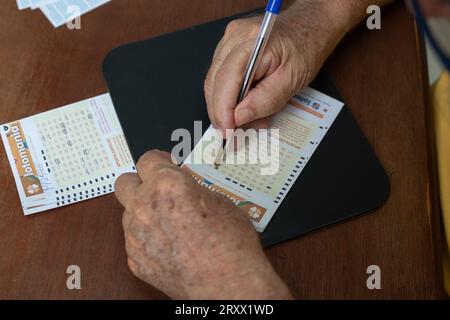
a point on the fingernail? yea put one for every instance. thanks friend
(244, 116)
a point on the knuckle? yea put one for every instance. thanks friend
(147, 158)
(143, 200)
(247, 28)
(120, 183)
(168, 179)
(232, 27)
(171, 174)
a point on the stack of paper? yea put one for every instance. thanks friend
(59, 12)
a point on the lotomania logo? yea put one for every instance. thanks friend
(33, 189)
(22, 150)
(212, 187)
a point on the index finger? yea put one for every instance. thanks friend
(227, 84)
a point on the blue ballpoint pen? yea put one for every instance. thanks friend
(272, 11)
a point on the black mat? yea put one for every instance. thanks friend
(157, 87)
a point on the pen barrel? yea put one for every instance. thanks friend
(257, 54)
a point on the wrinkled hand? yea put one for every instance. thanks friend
(188, 242)
(297, 49)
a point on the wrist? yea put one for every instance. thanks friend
(256, 281)
(262, 284)
(315, 29)
(338, 17)
(332, 19)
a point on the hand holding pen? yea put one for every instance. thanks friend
(272, 11)
(299, 44)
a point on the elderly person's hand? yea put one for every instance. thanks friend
(189, 242)
(303, 37)
(296, 51)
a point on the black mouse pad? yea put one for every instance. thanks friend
(157, 87)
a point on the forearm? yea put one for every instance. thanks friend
(349, 13)
(341, 15)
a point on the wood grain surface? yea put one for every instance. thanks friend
(382, 77)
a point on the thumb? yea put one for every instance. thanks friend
(268, 97)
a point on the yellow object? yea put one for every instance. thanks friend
(440, 94)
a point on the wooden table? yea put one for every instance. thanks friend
(381, 75)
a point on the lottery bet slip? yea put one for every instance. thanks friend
(59, 12)
(76, 153)
(251, 182)
(66, 155)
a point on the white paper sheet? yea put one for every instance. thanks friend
(66, 155)
(301, 127)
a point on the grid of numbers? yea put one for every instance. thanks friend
(249, 176)
(73, 149)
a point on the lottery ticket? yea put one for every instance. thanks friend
(35, 4)
(23, 4)
(63, 11)
(66, 155)
(247, 181)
